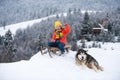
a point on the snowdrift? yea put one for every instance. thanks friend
(42, 67)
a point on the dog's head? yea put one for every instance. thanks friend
(81, 54)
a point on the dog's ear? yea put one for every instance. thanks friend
(79, 50)
(86, 50)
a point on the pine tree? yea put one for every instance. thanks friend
(9, 47)
(1, 40)
(86, 18)
(1, 48)
(99, 45)
(93, 44)
(86, 26)
(4, 22)
(69, 15)
(41, 42)
(110, 27)
(119, 38)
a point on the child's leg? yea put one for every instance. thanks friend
(61, 47)
(52, 44)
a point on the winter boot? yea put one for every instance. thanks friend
(62, 54)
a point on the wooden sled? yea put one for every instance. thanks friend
(55, 49)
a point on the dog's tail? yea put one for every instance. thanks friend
(100, 68)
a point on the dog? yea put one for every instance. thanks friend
(84, 59)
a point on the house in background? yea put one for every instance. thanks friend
(100, 27)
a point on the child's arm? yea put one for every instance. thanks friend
(67, 29)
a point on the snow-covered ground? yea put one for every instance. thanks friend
(64, 68)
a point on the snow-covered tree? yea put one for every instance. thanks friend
(86, 18)
(9, 49)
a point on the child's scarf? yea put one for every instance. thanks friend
(59, 35)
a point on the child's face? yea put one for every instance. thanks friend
(58, 28)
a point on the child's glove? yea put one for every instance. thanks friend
(65, 24)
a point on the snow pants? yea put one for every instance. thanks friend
(57, 44)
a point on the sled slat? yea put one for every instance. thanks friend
(54, 49)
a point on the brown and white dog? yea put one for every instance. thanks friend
(84, 59)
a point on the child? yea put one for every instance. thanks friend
(59, 36)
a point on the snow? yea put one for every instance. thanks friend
(90, 11)
(23, 25)
(102, 28)
(42, 67)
